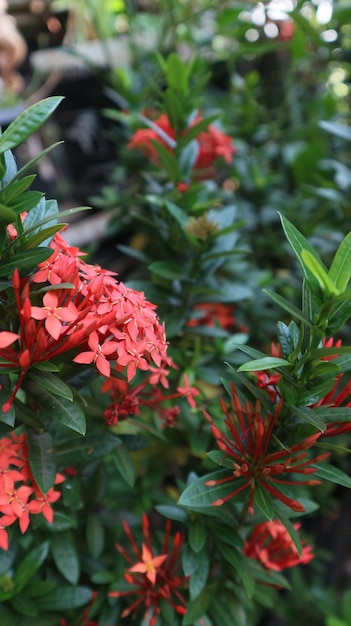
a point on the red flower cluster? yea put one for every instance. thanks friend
(126, 402)
(20, 496)
(153, 577)
(212, 143)
(256, 459)
(214, 313)
(271, 545)
(85, 310)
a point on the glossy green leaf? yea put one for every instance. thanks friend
(318, 271)
(65, 555)
(172, 512)
(30, 564)
(199, 495)
(168, 161)
(168, 270)
(299, 243)
(95, 535)
(289, 307)
(332, 474)
(65, 599)
(264, 501)
(197, 607)
(24, 261)
(124, 464)
(28, 122)
(310, 417)
(199, 577)
(60, 409)
(197, 534)
(51, 383)
(14, 189)
(177, 77)
(41, 459)
(266, 363)
(340, 269)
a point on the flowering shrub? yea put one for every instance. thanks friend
(115, 505)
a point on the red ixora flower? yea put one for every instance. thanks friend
(212, 143)
(84, 311)
(20, 496)
(153, 577)
(271, 545)
(256, 459)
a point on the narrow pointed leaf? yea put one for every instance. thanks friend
(318, 271)
(340, 269)
(28, 122)
(266, 363)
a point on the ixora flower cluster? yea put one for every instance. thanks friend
(69, 306)
(20, 496)
(212, 143)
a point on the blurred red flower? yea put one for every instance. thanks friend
(271, 544)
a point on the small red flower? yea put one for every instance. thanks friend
(271, 545)
(153, 577)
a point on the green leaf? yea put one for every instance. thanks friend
(264, 501)
(124, 464)
(91, 447)
(172, 512)
(332, 474)
(14, 189)
(30, 565)
(44, 214)
(197, 534)
(43, 238)
(176, 74)
(65, 555)
(24, 261)
(51, 383)
(298, 244)
(318, 271)
(28, 122)
(168, 270)
(41, 459)
(197, 607)
(199, 495)
(190, 561)
(199, 578)
(288, 306)
(60, 409)
(266, 363)
(65, 599)
(168, 161)
(95, 536)
(340, 272)
(310, 417)
(219, 457)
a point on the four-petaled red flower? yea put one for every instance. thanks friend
(154, 577)
(256, 461)
(271, 545)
